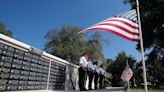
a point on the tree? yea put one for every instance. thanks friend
(65, 43)
(69, 45)
(108, 75)
(4, 30)
(94, 44)
(138, 73)
(155, 67)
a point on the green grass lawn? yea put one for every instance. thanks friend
(142, 90)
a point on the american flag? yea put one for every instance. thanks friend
(124, 25)
(127, 73)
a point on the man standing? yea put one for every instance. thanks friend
(102, 77)
(96, 75)
(91, 71)
(83, 71)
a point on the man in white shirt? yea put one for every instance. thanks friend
(96, 75)
(83, 71)
(90, 72)
(102, 77)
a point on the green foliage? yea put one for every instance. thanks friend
(108, 78)
(155, 67)
(138, 73)
(65, 43)
(69, 45)
(4, 30)
(108, 75)
(94, 46)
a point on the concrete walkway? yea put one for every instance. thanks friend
(107, 89)
(113, 89)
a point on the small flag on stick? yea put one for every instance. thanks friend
(124, 25)
(127, 73)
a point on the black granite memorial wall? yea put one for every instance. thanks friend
(21, 70)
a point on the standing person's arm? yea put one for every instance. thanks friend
(93, 68)
(97, 70)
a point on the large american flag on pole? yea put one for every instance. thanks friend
(124, 25)
(127, 73)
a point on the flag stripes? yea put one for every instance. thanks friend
(123, 25)
(131, 15)
(127, 73)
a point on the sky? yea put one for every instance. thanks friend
(30, 20)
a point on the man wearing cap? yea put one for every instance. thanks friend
(83, 71)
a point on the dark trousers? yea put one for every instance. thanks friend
(95, 79)
(90, 75)
(101, 81)
(104, 82)
(82, 77)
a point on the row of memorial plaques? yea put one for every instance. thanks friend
(20, 70)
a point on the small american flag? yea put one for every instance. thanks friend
(124, 25)
(127, 73)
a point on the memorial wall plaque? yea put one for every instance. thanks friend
(21, 70)
(56, 81)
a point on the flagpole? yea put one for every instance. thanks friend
(142, 50)
(128, 87)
